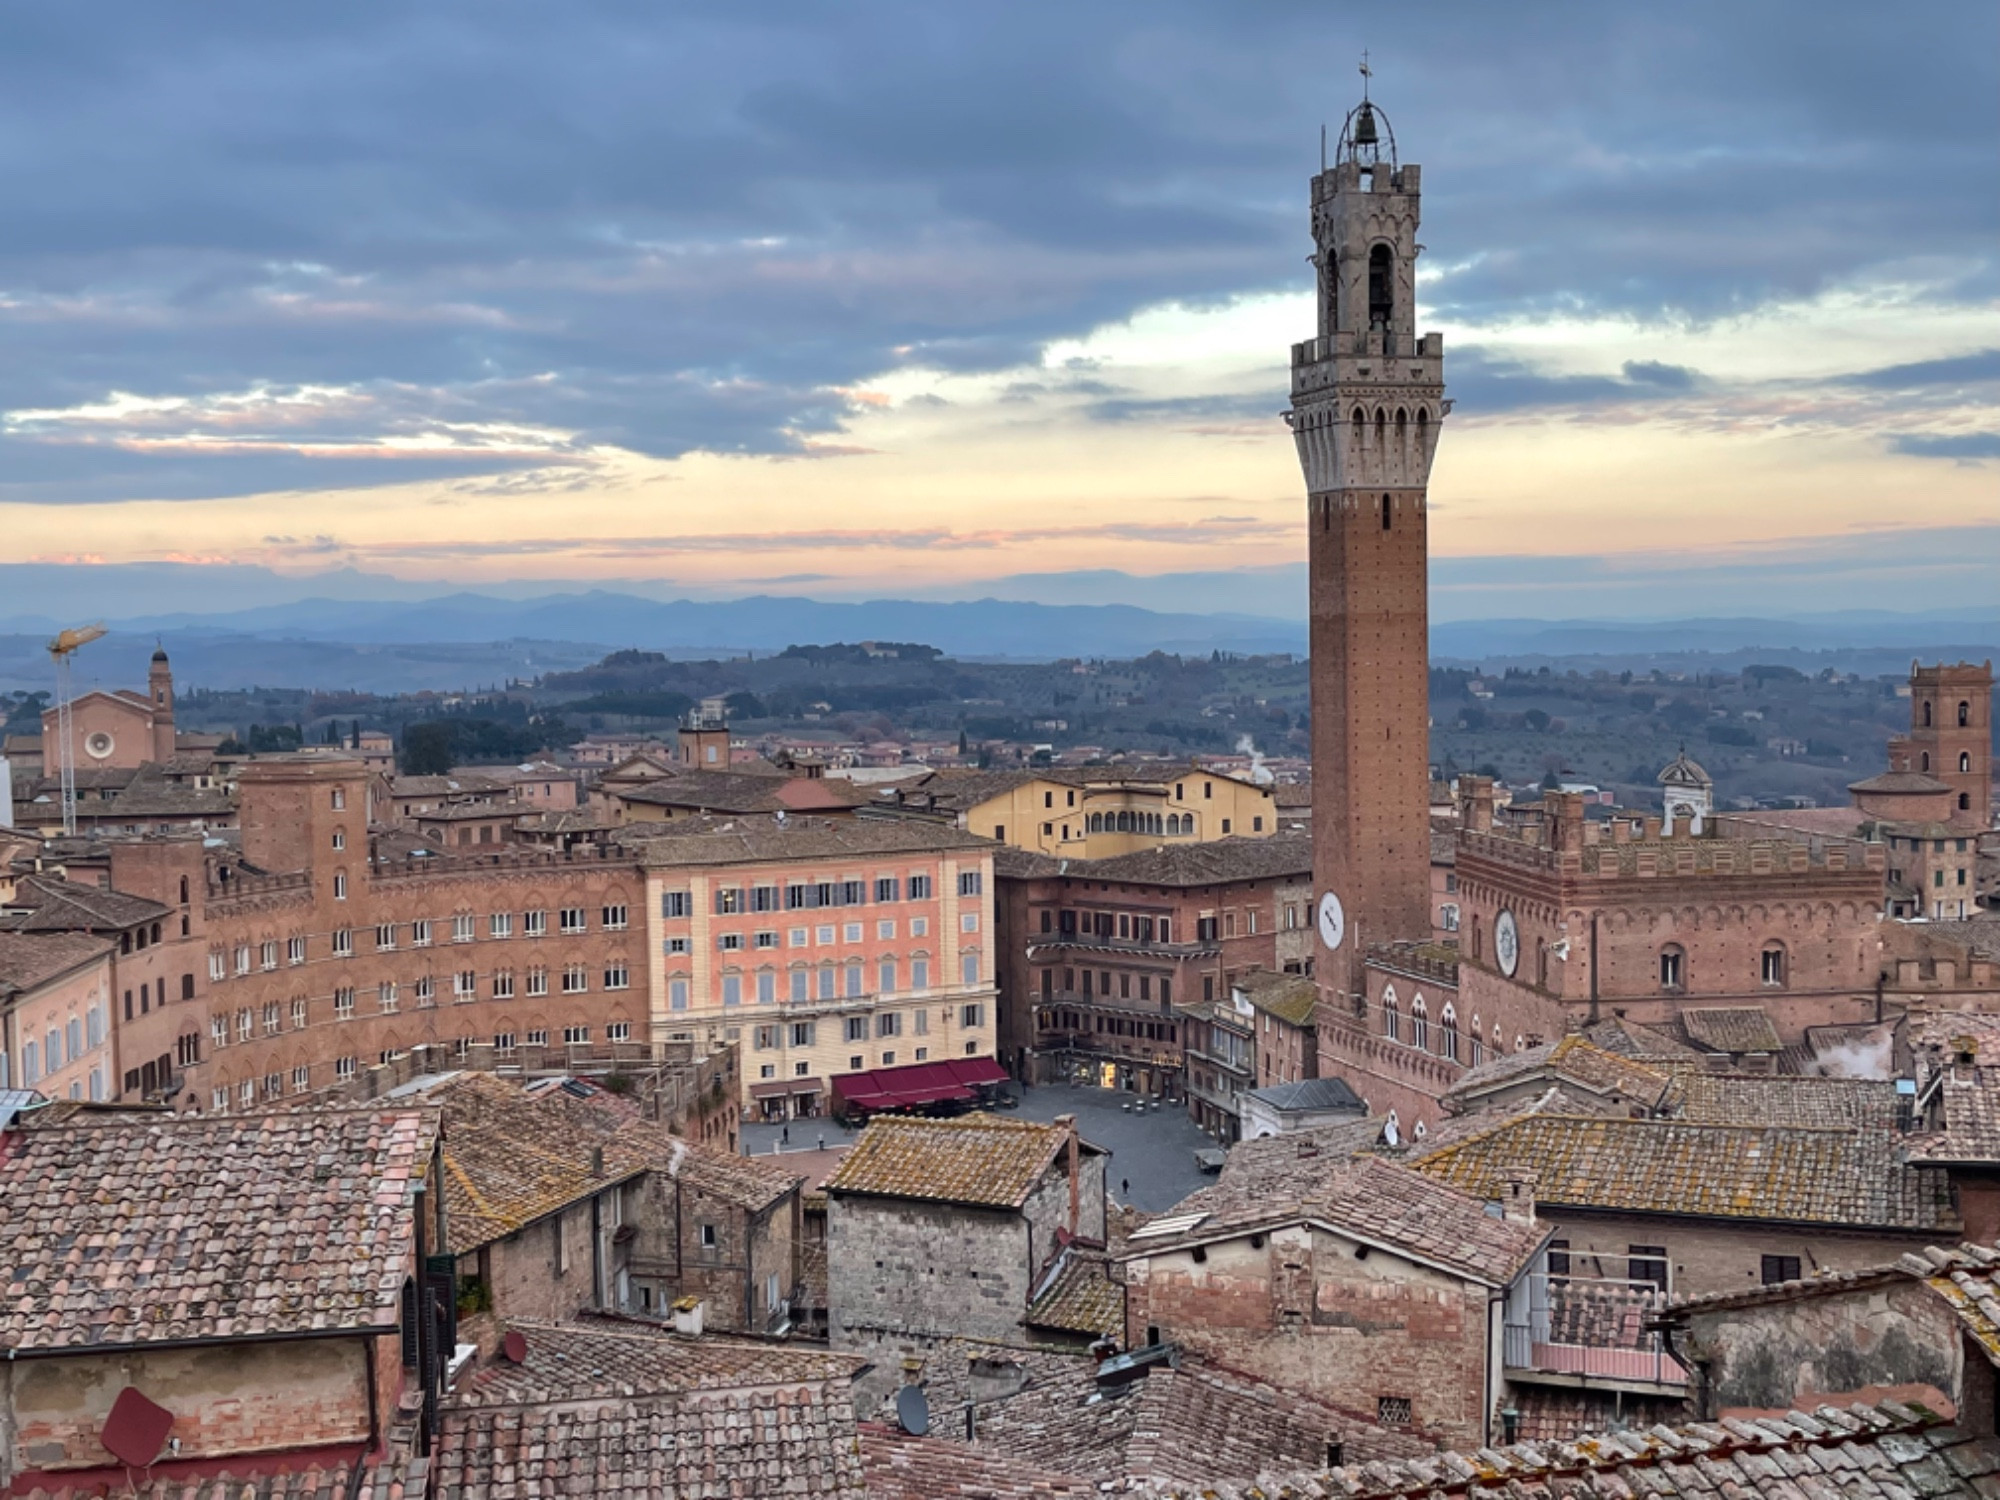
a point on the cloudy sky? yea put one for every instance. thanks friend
(889, 299)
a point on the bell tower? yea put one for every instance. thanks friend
(1367, 401)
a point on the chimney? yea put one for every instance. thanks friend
(1475, 797)
(1070, 1146)
(1565, 815)
(688, 1316)
(1517, 1200)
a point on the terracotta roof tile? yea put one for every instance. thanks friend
(1079, 1296)
(1885, 1452)
(250, 1479)
(1783, 1099)
(28, 959)
(122, 1229)
(48, 903)
(757, 838)
(977, 1159)
(1779, 1173)
(1571, 1060)
(608, 1356)
(1729, 1028)
(901, 1467)
(1292, 998)
(1189, 1420)
(1969, 1101)
(515, 1154)
(1630, 1039)
(629, 1410)
(1279, 856)
(1375, 1200)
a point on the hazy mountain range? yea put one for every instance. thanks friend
(370, 633)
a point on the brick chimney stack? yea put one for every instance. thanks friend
(1475, 803)
(1072, 1149)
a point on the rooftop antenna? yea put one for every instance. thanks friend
(62, 648)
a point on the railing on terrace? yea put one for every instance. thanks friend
(1090, 942)
(1590, 1328)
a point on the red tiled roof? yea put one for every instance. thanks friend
(126, 1229)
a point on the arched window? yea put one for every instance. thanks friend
(184, 890)
(1420, 1024)
(1359, 430)
(1448, 1024)
(1381, 428)
(1385, 512)
(1965, 801)
(1392, 1023)
(1381, 287)
(1402, 428)
(1097, 822)
(1124, 822)
(1927, 713)
(1478, 1042)
(1423, 429)
(1499, 1040)
(1964, 714)
(1771, 965)
(1673, 967)
(1927, 761)
(1965, 760)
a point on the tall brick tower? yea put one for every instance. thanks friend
(1951, 736)
(1367, 401)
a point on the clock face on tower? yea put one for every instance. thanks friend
(1507, 943)
(1332, 921)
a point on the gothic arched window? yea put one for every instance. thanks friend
(1964, 715)
(1420, 1024)
(1381, 287)
(1965, 760)
(1927, 713)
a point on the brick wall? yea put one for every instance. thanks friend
(903, 1275)
(1344, 1330)
(235, 1399)
(528, 1279)
(1799, 1354)
(1712, 1256)
(670, 1260)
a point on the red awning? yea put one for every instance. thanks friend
(974, 1071)
(918, 1084)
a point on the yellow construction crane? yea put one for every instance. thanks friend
(62, 648)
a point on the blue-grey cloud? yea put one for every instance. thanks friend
(1958, 445)
(668, 229)
(1982, 368)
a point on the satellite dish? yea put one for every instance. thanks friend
(913, 1410)
(515, 1346)
(137, 1428)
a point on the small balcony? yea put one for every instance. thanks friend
(1588, 1333)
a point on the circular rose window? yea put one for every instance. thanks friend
(97, 745)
